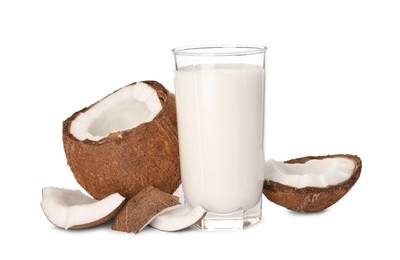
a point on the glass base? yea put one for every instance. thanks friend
(237, 220)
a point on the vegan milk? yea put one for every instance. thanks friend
(220, 110)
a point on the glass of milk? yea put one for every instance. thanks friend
(220, 93)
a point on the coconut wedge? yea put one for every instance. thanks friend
(71, 209)
(177, 218)
(125, 142)
(140, 210)
(312, 183)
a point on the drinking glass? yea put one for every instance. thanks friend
(220, 93)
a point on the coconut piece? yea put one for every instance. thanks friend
(140, 210)
(312, 183)
(125, 142)
(71, 209)
(179, 193)
(177, 218)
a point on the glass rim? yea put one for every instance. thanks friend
(220, 50)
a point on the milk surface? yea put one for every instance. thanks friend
(220, 110)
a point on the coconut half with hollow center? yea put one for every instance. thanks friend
(125, 142)
(71, 209)
(312, 183)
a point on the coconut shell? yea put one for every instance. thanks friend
(142, 208)
(128, 161)
(311, 199)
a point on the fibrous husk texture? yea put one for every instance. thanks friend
(142, 208)
(311, 199)
(128, 161)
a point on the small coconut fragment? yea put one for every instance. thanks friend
(140, 210)
(177, 218)
(312, 183)
(71, 209)
(125, 142)
(179, 193)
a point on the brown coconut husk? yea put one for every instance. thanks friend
(142, 208)
(128, 161)
(311, 199)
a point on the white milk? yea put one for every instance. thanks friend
(221, 128)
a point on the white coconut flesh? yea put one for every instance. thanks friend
(124, 109)
(68, 208)
(313, 173)
(177, 218)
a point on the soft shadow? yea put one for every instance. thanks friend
(307, 214)
(107, 227)
(185, 230)
(103, 226)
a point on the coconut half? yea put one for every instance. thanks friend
(125, 142)
(177, 218)
(312, 183)
(71, 209)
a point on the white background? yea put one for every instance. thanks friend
(332, 87)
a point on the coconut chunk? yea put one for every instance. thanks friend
(139, 211)
(177, 218)
(71, 209)
(312, 183)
